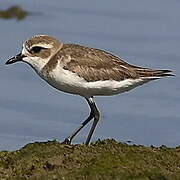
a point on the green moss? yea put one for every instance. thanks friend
(13, 12)
(105, 159)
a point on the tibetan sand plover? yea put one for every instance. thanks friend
(84, 71)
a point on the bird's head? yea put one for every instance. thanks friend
(37, 51)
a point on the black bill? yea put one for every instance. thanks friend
(14, 59)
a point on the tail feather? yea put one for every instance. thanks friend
(153, 73)
(162, 73)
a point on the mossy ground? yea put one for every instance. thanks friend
(13, 12)
(105, 159)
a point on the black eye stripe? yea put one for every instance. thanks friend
(36, 49)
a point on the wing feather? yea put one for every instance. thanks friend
(96, 65)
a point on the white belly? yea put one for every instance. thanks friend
(69, 82)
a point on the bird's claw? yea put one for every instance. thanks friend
(66, 141)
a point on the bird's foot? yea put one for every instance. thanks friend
(66, 141)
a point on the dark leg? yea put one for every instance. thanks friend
(96, 119)
(92, 115)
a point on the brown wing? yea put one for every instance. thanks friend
(94, 64)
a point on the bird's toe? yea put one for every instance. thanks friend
(66, 141)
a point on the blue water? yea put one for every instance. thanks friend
(144, 33)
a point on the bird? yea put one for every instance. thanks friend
(83, 71)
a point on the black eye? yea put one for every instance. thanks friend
(36, 49)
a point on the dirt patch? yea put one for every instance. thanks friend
(13, 12)
(105, 159)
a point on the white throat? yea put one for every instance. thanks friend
(37, 63)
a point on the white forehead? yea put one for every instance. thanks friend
(24, 49)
